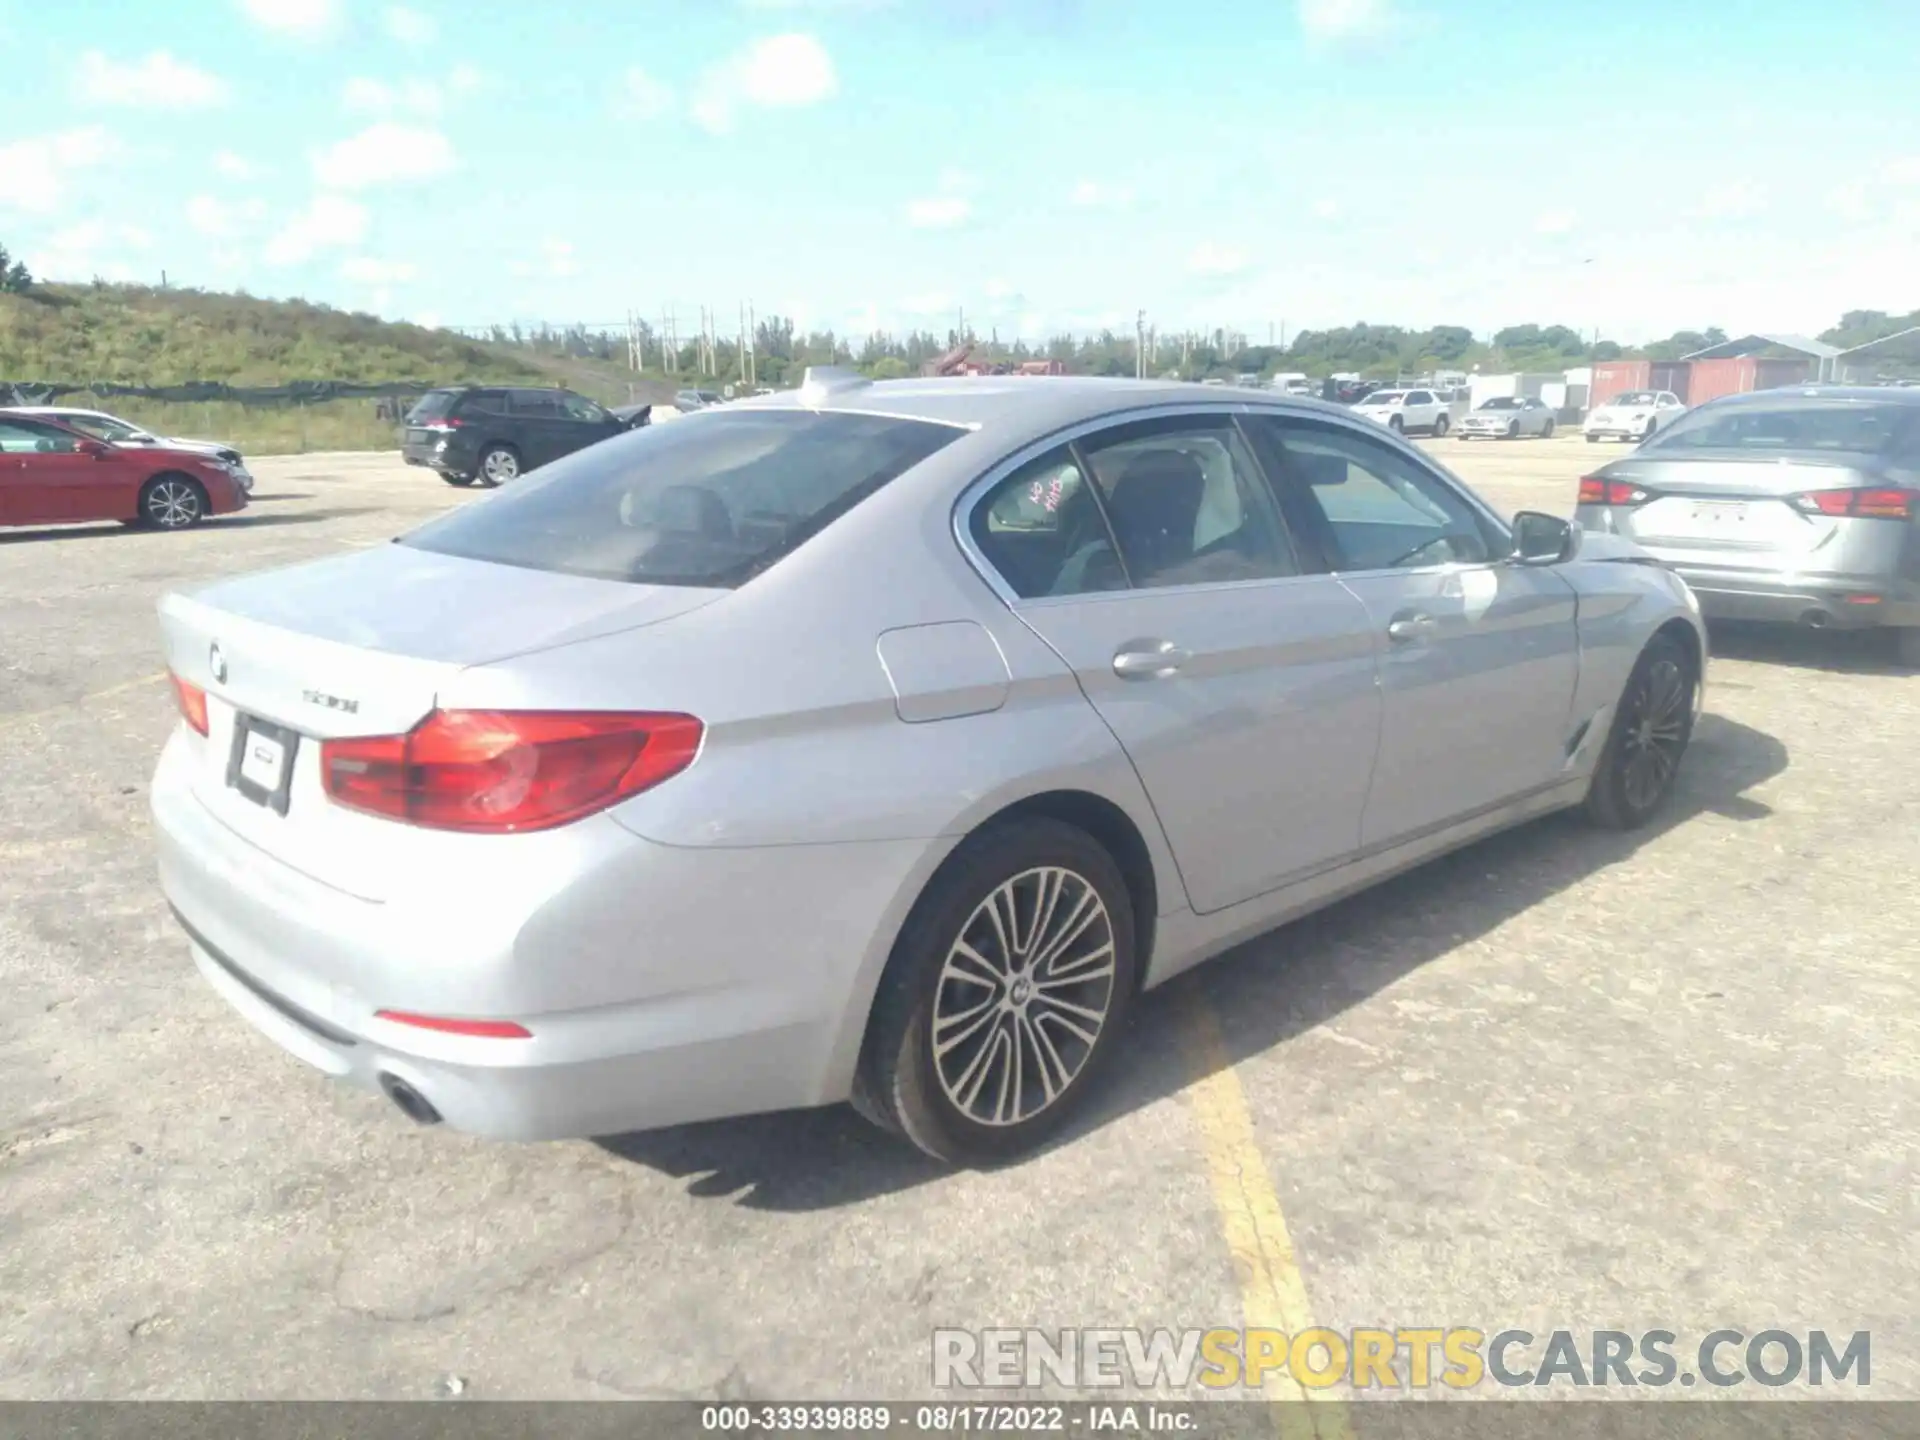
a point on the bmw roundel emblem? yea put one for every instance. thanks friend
(217, 663)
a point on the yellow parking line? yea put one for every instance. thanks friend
(29, 716)
(1273, 1293)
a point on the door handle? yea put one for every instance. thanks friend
(1403, 629)
(1149, 660)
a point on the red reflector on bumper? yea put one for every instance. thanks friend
(485, 1029)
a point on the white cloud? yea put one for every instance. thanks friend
(1326, 209)
(330, 222)
(422, 97)
(997, 289)
(410, 27)
(93, 247)
(556, 259)
(214, 217)
(366, 270)
(1554, 222)
(306, 19)
(159, 82)
(1734, 201)
(1092, 193)
(465, 79)
(934, 303)
(775, 72)
(235, 167)
(1216, 260)
(642, 97)
(938, 212)
(34, 172)
(383, 154)
(1334, 20)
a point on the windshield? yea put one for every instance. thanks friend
(102, 427)
(1633, 397)
(712, 502)
(434, 405)
(1500, 402)
(1847, 428)
(1385, 397)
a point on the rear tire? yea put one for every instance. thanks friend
(456, 479)
(498, 465)
(1649, 738)
(1396, 424)
(172, 502)
(1547, 433)
(1442, 425)
(1020, 947)
(1592, 439)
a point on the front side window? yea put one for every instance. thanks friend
(712, 503)
(578, 407)
(1500, 402)
(536, 405)
(103, 427)
(1374, 508)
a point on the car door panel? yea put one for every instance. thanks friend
(1241, 688)
(1478, 657)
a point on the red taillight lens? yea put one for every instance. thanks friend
(1595, 491)
(192, 701)
(496, 771)
(1879, 503)
(450, 423)
(485, 1029)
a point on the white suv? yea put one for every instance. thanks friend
(1409, 410)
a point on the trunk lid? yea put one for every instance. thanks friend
(1720, 509)
(360, 644)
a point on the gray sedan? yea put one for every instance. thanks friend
(1506, 417)
(875, 742)
(1795, 506)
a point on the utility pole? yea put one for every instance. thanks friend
(753, 348)
(1140, 345)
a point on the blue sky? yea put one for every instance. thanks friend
(1046, 164)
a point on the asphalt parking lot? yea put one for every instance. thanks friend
(1559, 1080)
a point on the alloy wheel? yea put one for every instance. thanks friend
(173, 504)
(500, 466)
(1655, 734)
(1022, 996)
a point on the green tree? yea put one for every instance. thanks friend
(14, 279)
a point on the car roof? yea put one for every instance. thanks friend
(1881, 394)
(44, 410)
(1034, 404)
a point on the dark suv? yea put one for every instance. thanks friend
(495, 433)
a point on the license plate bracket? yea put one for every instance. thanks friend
(260, 765)
(1721, 512)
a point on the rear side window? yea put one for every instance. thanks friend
(485, 402)
(1858, 429)
(536, 405)
(434, 405)
(712, 502)
(24, 437)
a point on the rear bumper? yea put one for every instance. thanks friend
(654, 997)
(1838, 601)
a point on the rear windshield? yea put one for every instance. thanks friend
(1858, 429)
(711, 502)
(434, 405)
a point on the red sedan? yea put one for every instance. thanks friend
(53, 475)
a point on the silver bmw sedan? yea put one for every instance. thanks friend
(875, 742)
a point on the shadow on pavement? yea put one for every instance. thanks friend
(244, 521)
(1263, 993)
(1847, 652)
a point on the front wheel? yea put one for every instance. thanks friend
(453, 479)
(1649, 736)
(1546, 431)
(172, 502)
(1396, 424)
(1441, 425)
(1004, 994)
(1592, 439)
(1513, 429)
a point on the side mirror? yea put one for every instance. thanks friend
(1542, 539)
(642, 416)
(98, 449)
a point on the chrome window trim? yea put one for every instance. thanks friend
(976, 490)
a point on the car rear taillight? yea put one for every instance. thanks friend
(502, 771)
(1596, 491)
(450, 423)
(1879, 503)
(484, 1029)
(192, 701)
